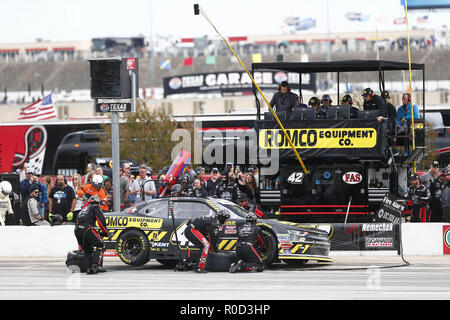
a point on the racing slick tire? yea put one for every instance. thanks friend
(269, 253)
(133, 248)
(220, 262)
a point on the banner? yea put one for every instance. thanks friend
(234, 82)
(391, 208)
(354, 138)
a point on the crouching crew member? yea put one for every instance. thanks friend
(249, 259)
(203, 233)
(420, 196)
(88, 237)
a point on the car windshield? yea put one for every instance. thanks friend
(237, 211)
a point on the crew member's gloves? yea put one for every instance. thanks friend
(50, 215)
(69, 216)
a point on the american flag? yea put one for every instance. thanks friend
(41, 110)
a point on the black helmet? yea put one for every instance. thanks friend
(313, 101)
(176, 190)
(184, 179)
(367, 92)
(57, 219)
(222, 216)
(347, 98)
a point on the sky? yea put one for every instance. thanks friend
(58, 20)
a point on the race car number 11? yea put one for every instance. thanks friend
(296, 178)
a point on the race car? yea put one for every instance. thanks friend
(154, 229)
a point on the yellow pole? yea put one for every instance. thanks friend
(257, 87)
(410, 83)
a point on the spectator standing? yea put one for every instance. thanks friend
(89, 170)
(99, 171)
(26, 183)
(62, 199)
(43, 195)
(142, 187)
(198, 190)
(109, 191)
(213, 182)
(77, 185)
(419, 194)
(124, 187)
(248, 186)
(49, 185)
(32, 207)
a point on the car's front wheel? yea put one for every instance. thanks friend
(133, 248)
(269, 250)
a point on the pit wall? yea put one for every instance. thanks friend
(424, 239)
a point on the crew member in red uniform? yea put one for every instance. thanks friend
(202, 232)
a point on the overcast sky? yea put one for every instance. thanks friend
(57, 20)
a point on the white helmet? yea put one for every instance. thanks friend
(97, 180)
(5, 187)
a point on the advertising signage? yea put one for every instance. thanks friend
(227, 83)
(426, 4)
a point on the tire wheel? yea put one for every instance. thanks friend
(295, 263)
(133, 248)
(269, 253)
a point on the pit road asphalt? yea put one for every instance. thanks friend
(348, 277)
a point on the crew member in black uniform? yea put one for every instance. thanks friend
(374, 102)
(321, 113)
(249, 259)
(87, 235)
(420, 195)
(284, 99)
(228, 189)
(203, 233)
(348, 100)
(188, 189)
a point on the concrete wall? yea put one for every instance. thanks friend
(424, 239)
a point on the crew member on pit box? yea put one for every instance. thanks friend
(62, 200)
(432, 180)
(88, 237)
(326, 102)
(5, 202)
(203, 233)
(348, 100)
(249, 259)
(321, 113)
(404, 112)
(374, 102)
(284, 99)
(419, 194)
(95, 189)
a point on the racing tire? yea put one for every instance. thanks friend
(268, 254)
(220, 262)
(133, 248)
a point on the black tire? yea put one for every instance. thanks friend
(269, 254)
(221, 262)
(295, 263)
(133, 248)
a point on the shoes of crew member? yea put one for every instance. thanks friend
(100, 269)
(237, 266)
(200, 270)
(91, 271)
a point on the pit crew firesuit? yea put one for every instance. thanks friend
(420, 196)
(203, 233)
(89, 190)
(87, 236)
(245, 250)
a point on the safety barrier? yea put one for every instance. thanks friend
(424, 239)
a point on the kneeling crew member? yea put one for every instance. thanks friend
(88, 237)
(202, 232)
(249, 259)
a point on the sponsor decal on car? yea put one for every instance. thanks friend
(137, 222)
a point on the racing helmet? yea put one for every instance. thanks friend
(97, 181)
(184, 179)
(222, 216)
(5, 187)
(57, 219)
(176, 189)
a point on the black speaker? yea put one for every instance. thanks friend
(110, 78)
(12, 178)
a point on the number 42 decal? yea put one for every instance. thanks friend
(296, 178)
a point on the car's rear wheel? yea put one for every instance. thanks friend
(269, 250)
(133, 248)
